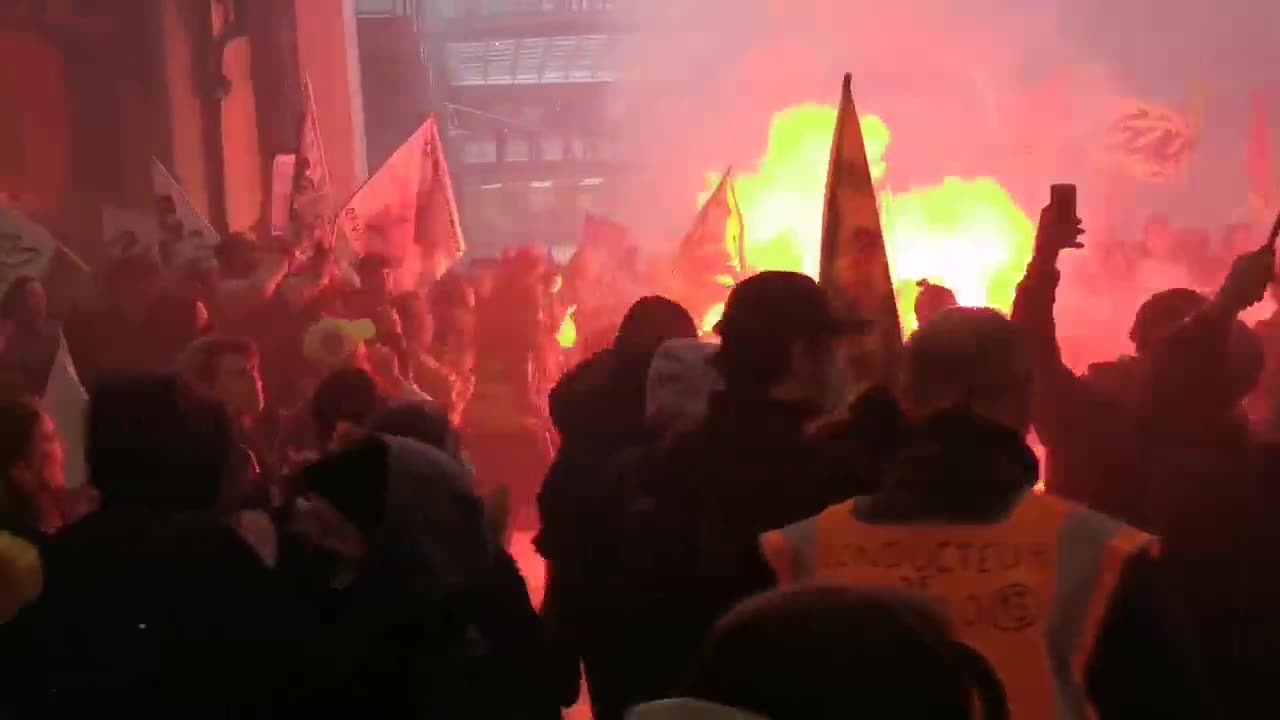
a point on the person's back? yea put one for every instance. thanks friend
(751, 465)
(150, 603)
(407, 606)
(1062, 601)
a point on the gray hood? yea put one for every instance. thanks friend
(687, 709)
(434, 518)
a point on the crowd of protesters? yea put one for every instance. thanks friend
(301, 489)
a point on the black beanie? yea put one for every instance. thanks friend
(354, 481)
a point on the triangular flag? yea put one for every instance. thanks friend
(26, 247)
(406, 211)
(855, 267)
(66, 402)
(312, 202)
(709, 259)
(186, 237)
(1259, 166)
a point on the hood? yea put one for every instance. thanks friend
(434, 520)
(602, 396)
(681, 380)
(687, 709)
(955, 467)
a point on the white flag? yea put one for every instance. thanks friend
(407, 212)
(129, 231)
(26, 247)
(66, 402)
(186, 237)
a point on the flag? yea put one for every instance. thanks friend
(715, 242)
(710, 257)
(311, 204)
(1153, 143)
(186, 237)
(66, 403)
(26, 247)
(129, 232)
(592, 269)
(854, 267)
(1259, 168)
(406, 211)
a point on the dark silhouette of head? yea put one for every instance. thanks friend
(835, 652)
(971, 359)
(348, 396)
(649, 322)
(154, 441)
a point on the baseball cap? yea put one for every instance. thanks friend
(332, 341)
(780, 305)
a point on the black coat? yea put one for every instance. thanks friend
(148, 614)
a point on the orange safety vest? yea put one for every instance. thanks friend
(1029, 592)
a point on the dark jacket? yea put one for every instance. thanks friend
(598, 409)
(149, 613)
(439, 622)
(687, 547)
(1132, 439)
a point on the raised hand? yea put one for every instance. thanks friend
(1056, 233)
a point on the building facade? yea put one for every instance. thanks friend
(523, 89)
(93, 89)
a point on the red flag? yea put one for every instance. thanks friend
(406, 211)
(709, 259)
(1258, 164)
(855, 267)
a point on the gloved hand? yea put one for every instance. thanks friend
(1247, 280)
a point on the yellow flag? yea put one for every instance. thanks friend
(854, 266)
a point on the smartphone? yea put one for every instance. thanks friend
(1062, 197)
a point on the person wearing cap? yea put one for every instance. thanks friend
(599, 409)
(751, 465)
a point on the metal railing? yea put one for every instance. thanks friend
(450, 9)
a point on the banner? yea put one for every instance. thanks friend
(311, 204)
(186, 237)
(854, 267)
(406, 211)
(1152, 143)
(130, 232)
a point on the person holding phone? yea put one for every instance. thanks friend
(1159, 439)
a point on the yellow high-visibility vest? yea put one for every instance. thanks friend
(1029, 592)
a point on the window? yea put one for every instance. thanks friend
(552, 148)
(480, 150)
(516, 150)
(538, 60)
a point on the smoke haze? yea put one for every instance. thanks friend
(1016, 90)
